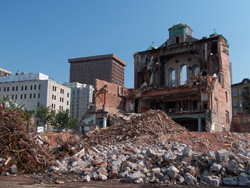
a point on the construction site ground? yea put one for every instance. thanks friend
(25, 155)
(25, 181)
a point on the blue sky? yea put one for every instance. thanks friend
(41, 35)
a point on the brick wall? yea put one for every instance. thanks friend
(114, 102)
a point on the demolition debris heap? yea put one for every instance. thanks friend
(18, 148)
(152, 122)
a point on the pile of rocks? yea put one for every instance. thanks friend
(167, 163)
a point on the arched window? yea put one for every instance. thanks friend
(172, 81)
(183, 75)
(196, 71)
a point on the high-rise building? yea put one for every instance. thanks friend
(81, 99)
(4, 72)
(109, 68)
(35, 89)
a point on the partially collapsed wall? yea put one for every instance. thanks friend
(187, 78)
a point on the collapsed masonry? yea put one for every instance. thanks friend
(187, 78)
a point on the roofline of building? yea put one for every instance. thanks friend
(240, 83)
(7, 71)
(91, 58)
(172, 45)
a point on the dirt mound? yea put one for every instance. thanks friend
(17, 146)
(152, 122)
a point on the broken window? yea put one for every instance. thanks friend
(177, 39)
(215, 105)
(227, 117)
(204, 73)
(196, 71)
(184, 74)
(172, 77)
(195, 105)
(214, 48)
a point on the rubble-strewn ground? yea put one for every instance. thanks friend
(146, 149)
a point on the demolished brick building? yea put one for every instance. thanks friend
(187, 78)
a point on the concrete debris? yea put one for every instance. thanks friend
(150, 164)
(119, 153)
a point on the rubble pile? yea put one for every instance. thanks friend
(19, 151)
(65, 145)
(152, 122)
(168, 163)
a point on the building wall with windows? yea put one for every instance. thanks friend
(188, 78)
(81, 99)
(241, 97)
(34, 89)
(109, 68)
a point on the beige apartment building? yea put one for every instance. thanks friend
(35, 89)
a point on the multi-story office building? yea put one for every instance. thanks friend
(109, 68)
(241, 97)
(35, 89)
(81, 99)
(4, 72)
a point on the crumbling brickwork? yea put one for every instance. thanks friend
(109, 96)
(187, 78)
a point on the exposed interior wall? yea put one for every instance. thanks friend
(107, 95)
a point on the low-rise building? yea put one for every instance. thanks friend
(241, 97)
(35, 89)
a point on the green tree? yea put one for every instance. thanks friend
(73, 123)
(45, 114)
(64, 121)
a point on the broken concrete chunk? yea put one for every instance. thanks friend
(187, 151)
(135, 176)
(86, 178)
(189, 179)
(244, 180)
(231, 181)
(102, 177)
(211, 180)
(215, 167)
(172, 171)
(222, 155)
(13, 169)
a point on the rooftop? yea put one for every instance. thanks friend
(92, 58)
(23, 77)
